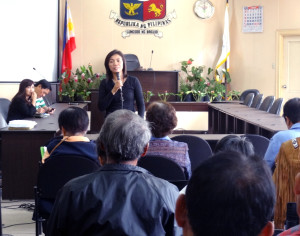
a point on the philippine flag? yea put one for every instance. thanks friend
(69, 44)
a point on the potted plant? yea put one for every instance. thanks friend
(148, 95)
(77, 86)
(194, 84)
(233, 95)
(164, 96)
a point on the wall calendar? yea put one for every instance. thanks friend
(252, 19)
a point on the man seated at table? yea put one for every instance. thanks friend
(121, 198)
(42, 88)
(73, 123)
(291, 114)
(228, 194)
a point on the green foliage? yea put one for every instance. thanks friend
(233, 95)
(80, 83)
(164, 96)
(148, 95)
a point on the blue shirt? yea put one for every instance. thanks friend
(163, 138)
(277, 140)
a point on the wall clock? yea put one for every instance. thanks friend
(204, 9)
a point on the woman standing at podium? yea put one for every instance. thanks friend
(119, 90)
(23, 103)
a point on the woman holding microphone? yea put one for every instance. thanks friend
(119, 90)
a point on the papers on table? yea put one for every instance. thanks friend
(21, 124)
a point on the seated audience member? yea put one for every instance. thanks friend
(23, 103)
(73, 123)
(162, 118)
(121, 198)
(287, 167)
(295, 231)
(42, 88)
(235, 143)
(291, 114)
(228, 194)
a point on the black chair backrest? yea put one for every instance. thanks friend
(249, 99)
(199, 149)
(276, 107)
(58, 170)
(162, 167)
(132, 62)
(260, 143)
(257, 100)
(292, 218)
(4, 106)
(267, 103)
(246, 92)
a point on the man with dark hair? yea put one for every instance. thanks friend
(291, 114)
(120, 198)
(73, 123)
(42, 88)
(228, 194)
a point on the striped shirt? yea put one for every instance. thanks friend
(40, 103)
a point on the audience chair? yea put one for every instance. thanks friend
(292, 218)
(2, 122)
(162, 167)
(132, 62)
(257, 100)
(267, 103)
(276, 107)
(246, 92)
(260, 143)
(199, 149)
(249, 99)
(52, 175)
(4, 106)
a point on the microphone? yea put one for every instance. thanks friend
(118, 78)
(150, 61)
(39, 73)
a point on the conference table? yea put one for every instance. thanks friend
(20, 153)
(236, 118)
(20, 149)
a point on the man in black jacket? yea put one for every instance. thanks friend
(120, 198)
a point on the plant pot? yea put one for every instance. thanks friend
(78, 98)
(66, 99)
(189, 98)
(218, 98)
(206, 98)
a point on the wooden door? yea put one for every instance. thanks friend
(288, 79)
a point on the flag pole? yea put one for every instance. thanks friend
(225, 81)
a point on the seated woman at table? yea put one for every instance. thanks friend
(119, 90)
(23, 103)
(73, 123)
(162, 118)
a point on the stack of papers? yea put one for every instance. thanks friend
(21, 124)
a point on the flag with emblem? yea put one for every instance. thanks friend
(143, 11)
(69, 44)
(223, 63)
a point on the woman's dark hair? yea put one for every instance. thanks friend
(109, 74)
(74, 120)
(162, 118)
(22, 90)
(235, 143)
